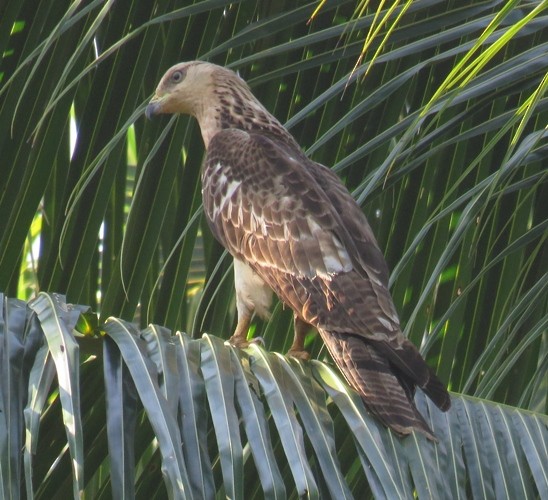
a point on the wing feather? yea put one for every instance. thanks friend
(315, 244)
(296, 225)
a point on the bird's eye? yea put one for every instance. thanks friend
(177, 76)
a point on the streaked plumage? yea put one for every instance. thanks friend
(292, 227)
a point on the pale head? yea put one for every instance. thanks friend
(216, 96)
(183, 87)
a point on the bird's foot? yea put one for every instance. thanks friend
(242, 342)
(299, 354)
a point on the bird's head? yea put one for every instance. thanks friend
(215, 95)
(182, 88)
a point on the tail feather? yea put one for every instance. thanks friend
(437, 392)
(386, 391)
(407, 359)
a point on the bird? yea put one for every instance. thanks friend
(294, 229)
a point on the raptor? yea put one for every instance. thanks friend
(293, 228)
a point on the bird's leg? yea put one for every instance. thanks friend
(297, 349)
(239, 338)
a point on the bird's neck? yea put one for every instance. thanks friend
(238, 108)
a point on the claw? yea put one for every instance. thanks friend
(299, 354)
(242, 343)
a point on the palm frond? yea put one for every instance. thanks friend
(287, 414)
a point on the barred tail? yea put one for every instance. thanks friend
(386, 391)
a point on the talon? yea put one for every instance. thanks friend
(298, 354)
(242, 343)
(238, 341)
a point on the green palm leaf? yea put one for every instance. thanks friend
(494, 450)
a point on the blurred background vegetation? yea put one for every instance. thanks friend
(442, 139)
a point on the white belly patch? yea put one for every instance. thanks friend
(252, 293)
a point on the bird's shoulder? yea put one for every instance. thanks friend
(256, 151)
(267, 171)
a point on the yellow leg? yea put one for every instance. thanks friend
(297, 349)
(239, 338)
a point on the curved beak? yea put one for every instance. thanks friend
(154, 107)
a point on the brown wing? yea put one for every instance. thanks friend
(371, 258)
(268, 209)
(289, 219)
